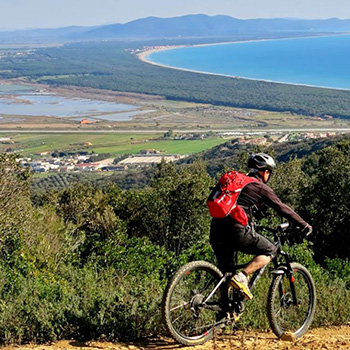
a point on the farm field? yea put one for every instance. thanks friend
(115, 144)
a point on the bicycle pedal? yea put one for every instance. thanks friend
(237, 317)
(232, 316)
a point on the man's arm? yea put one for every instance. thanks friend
(273, 201)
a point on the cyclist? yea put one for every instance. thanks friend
(227, 236)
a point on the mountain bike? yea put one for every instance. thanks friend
(198, 300)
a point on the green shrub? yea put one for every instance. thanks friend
(34, 311)
(332, 306)
(340, 269)
(118, 302)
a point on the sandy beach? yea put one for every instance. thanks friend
(148, 51)
(144, 54)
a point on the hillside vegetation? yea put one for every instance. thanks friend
(91, 263)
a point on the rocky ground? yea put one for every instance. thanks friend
(316, 339)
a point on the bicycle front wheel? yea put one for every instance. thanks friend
(189, 315)
(287, 313)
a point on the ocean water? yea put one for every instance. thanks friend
(320, 61)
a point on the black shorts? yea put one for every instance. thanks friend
(227, 237)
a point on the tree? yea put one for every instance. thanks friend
(328, 202)
(88, 208)
(172, 212)
(15, 209)
(289, 181)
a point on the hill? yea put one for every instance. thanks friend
(189, 26)
(229, 154)
(92, 264)
(212, 26)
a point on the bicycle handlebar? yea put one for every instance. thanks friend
(279, 229)
(284, 233)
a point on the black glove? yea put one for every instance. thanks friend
(306, 230)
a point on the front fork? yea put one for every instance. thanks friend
(287, 270)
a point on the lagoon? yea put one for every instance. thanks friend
(316, 61)
(20, 101)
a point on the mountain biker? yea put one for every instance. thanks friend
(227, 236)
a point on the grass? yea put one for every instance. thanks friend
(31, 144)
(166, 146)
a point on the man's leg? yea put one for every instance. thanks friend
(240, 280)
(257, 263)
(263, 249)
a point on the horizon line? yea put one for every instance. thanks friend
(7, 29)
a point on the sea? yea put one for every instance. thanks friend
(316, 61)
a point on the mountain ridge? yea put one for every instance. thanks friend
(194, 25)
(207, 26)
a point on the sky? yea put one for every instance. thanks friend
(23, 14)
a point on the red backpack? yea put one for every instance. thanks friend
(222, 201)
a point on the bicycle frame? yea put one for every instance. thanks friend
(279, 269)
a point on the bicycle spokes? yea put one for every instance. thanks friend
(291, 302)
(191, 306)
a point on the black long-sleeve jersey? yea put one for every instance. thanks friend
(258, 193)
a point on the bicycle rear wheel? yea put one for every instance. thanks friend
(286, 316)
(187, 317)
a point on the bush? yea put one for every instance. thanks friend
(34, 311)
(119, 302)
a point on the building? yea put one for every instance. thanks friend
(144, 160)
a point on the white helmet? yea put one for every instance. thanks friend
(261, 161)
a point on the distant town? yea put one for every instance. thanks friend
(85, 163)
(61, 162)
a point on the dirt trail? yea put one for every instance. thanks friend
(316, 339)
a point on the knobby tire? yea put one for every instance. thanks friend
(284, 316)
(185, 316)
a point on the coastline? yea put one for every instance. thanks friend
(143, 57)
